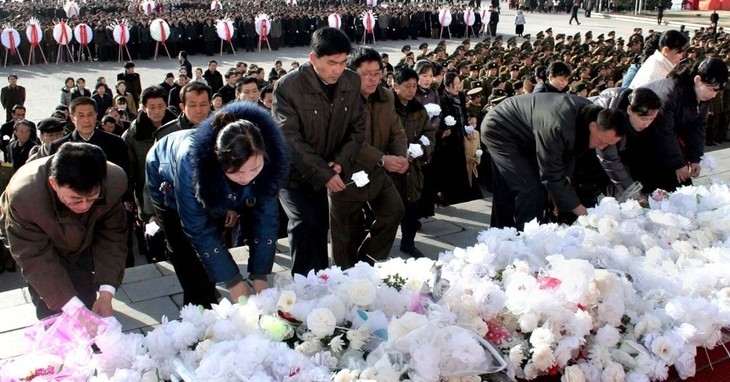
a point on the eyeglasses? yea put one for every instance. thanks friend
(372, 75)
(75, 201)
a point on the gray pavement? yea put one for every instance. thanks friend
(151, 291)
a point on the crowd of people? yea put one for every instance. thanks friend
(220, 158)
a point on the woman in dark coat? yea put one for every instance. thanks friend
(555, 79)
(201, 179)
(449, 158)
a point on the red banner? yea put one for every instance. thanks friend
(264, 30)
(64, 34)
(34, 35)
(228, 31)
(84, 35)
(163, 35)
(369, 22)
(123, 39)
(11, 36)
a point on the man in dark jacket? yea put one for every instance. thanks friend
(384, 150)
(321, 113)
(212, 76)
(134, 84)
(65, 226)
(12, 95)
(534, 140)
(195, 100)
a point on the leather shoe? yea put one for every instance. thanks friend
(412, 251)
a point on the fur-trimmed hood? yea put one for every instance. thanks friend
(211, 182)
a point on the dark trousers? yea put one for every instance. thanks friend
(197, 287)
(519, 196)
(409, 224)
(346, 221)
(81, 274)
(308, 213)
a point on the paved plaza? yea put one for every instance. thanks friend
(152, 291)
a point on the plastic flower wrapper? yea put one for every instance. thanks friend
(433, 109)
(360, 178)
(468, 129)
(424, 140)
(450, 121)
(415, 150)
(276, 328)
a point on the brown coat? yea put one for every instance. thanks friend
(384, 134)
(416, 123)
(39, 229)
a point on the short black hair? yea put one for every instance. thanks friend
(79, 101)
(107, 119)
(17, 106)
(612, 119)
(246, 81)
(673, 39)
(329, 41)
(153, 91)
(644, 100)
(558, 69)
(197, 88)
(405, 74)
(183, 54)
(79, 166)
(363, 54)
(422, 66)
(266, 90)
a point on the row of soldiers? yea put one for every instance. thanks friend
(192, 26)
(495, 68)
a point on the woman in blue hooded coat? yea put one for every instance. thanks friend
(236, 160)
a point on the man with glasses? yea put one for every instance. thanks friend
(64, 223)
(384, 150)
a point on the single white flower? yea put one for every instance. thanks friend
(607, 336)
(424, 140)
(449, 120)
(479, 326)
(613, 372)
(309, 347)
(542, 337)
(321, 322)
(361, 292)
(360, 178)
(287, 298)
(664, 348)
(336, 343)
(542, 357)
(573, 373)
(517, 354)
(358, 337)
(685, 363)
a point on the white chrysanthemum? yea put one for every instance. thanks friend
(573, 373)
(321, 322)
(607, 336)
(542, 337)
(517, 354)
(336, 343)
(613, 372)
(358, 337)
(286, 301)
(399, 327)
(450, 120)
(542, 357)
(361, 292)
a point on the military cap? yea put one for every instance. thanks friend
(492, 65)
(589, 34)
(487, 40)
(620, 40)
(577, 35)
(612, 33)
(474, 67)
(496, 82)
(474, 91)
(600, 37)
(579, 87)
(539, 34)
(476, 84)
(498, 95)
(609, 40)
(439, 49)
(498, 38)
(511, 40)
(560, 36)
(423, 46)
(467, 41)
(514, 67)
(442, 42)
(462, 64)
(526, 36)
(405, 48)
(549, 30)
(518, 84)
